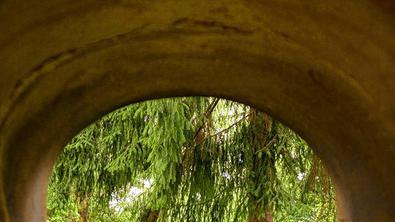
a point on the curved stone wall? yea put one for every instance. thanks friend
(325, 68)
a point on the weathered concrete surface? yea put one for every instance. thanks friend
(325, 68)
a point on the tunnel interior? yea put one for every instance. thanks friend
(325, 69)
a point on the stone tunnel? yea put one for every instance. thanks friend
(324, 68)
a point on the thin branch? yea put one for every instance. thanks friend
(234, 124)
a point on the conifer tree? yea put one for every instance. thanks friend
(205, 159)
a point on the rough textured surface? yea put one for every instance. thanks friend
(325, 68)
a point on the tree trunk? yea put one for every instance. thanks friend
(150, 216)
(262, 126)
(153, 216)
(83, 209)
(268, 217)
(255, 217)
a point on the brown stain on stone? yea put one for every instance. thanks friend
(211, 24)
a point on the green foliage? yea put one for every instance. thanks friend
(205, 159)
